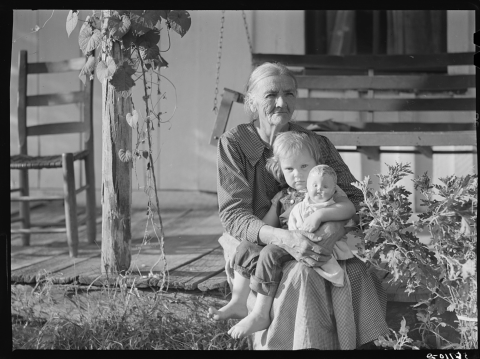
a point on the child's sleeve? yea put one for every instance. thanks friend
(294, 217)
(271, 218)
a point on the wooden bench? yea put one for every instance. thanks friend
(379, 83)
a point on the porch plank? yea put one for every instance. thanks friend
(190, 275)
(191, 243)
(188, 236)
(179, 251)
(33, 255)
(72, 273)
(53, 265)
(138, 221)
(217, 281)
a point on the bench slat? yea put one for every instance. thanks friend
(408, 82)
(387, 105)
(456, 138)
(387, 126)
(374, 62)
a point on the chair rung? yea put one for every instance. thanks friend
(30, 198)
(15, 189)
(47, 224)
(35, 230)
(80, 189)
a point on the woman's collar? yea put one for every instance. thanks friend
(288, 127)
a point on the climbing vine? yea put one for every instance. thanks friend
(138, 33)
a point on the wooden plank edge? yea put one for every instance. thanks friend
(26, 265)
(193, 259)
(22, 278)
(215, 282)
(194, 285)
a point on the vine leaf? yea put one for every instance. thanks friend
(118, 26)
(180, 21)
(164, 13)
(160, 62)
(120, 12)
(72, 20)
(105, 70)
(122, 80)
(151, 37)
(145, 154)
(144, 20)
(149, 52)
(125, 156)
(132, 119)
(88, 39)
(129, 38)
(87, 69)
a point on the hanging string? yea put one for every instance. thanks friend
(246, 30)
(219, 57)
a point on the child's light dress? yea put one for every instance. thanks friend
(331, 270)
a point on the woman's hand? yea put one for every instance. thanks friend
(301, 247)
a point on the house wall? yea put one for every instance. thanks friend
(185, 159)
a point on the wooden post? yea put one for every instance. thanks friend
(116, 175)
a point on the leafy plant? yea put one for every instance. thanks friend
(447, 266)
(401, 340)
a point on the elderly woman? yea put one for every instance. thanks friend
(307, 312)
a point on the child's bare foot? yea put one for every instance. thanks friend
(250, 324)
(233, 310)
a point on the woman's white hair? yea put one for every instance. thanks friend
(267, 69)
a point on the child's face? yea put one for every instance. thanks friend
(320, 187)
(296, 168)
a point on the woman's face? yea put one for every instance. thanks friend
(296, 168)
(274, 99)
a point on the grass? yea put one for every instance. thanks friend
(72, 317)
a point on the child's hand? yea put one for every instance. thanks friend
(311, 224)
(276, 198)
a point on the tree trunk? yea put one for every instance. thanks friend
(116, 175)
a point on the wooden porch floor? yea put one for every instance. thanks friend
(194, 257)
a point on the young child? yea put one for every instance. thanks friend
(321, 186)
(294, 155)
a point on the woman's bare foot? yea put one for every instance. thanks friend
(233, 310)
(252, 323)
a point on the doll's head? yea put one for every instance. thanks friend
(294, 155)
(321, 183)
